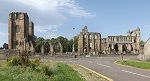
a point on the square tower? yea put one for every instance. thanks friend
(19, 29)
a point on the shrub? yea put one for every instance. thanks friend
(25, 60)
(47, 70)
(13, 61)
(35, 63)
(16, 60)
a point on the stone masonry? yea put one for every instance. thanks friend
(121, 44)
(89, 42)
(21, 32)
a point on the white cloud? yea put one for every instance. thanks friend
(42, 29)
(47, 15)
(47, 31)
(57, 6)
(40, 4)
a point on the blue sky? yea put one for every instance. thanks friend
(53, 18)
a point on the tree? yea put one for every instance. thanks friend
(55, 42)
(64, 43)
(39, 42)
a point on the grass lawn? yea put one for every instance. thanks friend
(137, 64)
(61, 72)
(66, 73)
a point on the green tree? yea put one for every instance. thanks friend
(69, 45)
(64, 43)
(39, 42)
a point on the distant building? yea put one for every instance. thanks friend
(146, 54)
(21, 32)
(89, 42)
(120, 44)
(147, 50)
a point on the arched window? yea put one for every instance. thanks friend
(90, 36)
(90, 44)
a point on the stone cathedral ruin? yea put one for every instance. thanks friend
(21, 37)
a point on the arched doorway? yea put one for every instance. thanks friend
(46, 47)
(58, 47)
(116, 47)
(124, 48)
(131, 48)
(109, 48)
(109, 45)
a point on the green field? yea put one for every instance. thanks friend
(59, 72)
(134, 63)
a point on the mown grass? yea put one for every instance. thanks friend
(137, 64)
(66, 73)
(61, 72)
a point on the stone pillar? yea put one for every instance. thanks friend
(80, 43)
(88, 43)
(51, 51)
(112, 46)
(42, 49)
(61, 48)
(120, 48)
(129, 47)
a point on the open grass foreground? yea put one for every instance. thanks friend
(54, 72)
(134, 63)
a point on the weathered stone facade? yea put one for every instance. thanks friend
(120, 44)
(21, 32)
(89, 42)
(146, 54)
(147, 47)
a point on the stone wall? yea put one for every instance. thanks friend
(89, 42)
(129, 43)
(146, 54)
(21, 32)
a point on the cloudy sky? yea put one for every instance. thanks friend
(53, 18)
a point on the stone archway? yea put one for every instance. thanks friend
(51, 51)
(47, 48)
(116, 47)
(58, 48)
(124, 48)
(109, 48)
